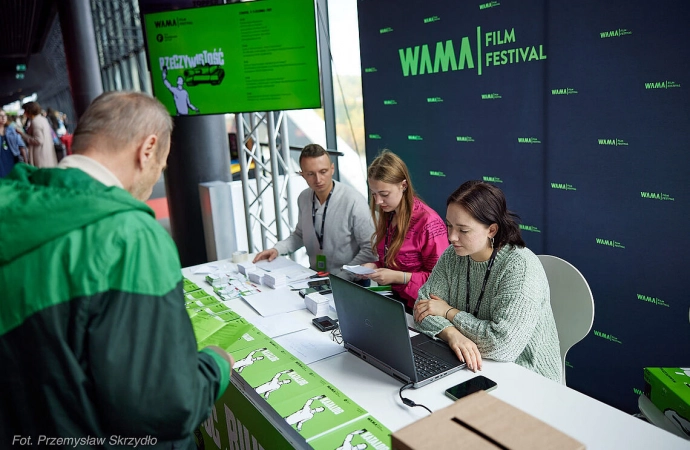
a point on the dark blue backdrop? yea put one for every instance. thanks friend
(588, 138)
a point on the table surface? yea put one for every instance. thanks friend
(590, 421)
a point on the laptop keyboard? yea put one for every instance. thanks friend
(428, 367)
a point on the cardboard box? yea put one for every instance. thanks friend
(669, 390)
(481, 421)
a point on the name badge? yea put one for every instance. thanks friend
(320, 262)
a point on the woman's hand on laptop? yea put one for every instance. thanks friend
(433, 306)
(464, 348)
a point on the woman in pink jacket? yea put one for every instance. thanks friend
(409, 237)
(39, 138)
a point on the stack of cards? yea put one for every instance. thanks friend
(217, 279)
(275, 280)
(317, 304)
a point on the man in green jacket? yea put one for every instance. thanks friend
(94, 338)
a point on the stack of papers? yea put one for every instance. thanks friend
(317, 304)
(217, 279)
(245, 267)
(255, 277)
(275, 280)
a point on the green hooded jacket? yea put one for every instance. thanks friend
(94, 336)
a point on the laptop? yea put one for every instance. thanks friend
(374, 328)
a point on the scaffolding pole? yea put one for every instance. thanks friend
(268, 161)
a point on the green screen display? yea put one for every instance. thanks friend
(240, 57)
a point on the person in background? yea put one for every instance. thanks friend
(488, 295)
(12, 148)
(409, 237)
(95, 339)
(14, 122)
(39, 137)
(52, 117)
(333, 223)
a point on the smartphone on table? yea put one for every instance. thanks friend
(476, 384)
(325, 323)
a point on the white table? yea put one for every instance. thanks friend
(590, 421)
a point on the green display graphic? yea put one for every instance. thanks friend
(319, 411)
(240, 57)
(366, 433)
(236, 424)
(310, 405)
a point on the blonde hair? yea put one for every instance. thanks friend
(389, 168)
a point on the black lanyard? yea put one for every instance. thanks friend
(486, 278)
(385, 245)
(323, 218)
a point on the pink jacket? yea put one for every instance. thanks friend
(424, 243)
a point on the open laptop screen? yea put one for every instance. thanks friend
(374, 325)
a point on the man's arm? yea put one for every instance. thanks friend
(165, 80)
(37, 137)
(192, 107)
(362, 230)
(149, 377)
(21, 146)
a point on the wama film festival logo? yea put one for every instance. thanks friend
(459, 54)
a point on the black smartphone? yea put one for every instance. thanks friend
(325, 323)
(316, 283)
(476, 384)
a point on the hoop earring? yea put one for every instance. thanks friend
(492, 242)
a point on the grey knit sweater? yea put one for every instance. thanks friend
(515, 321)
(348, 230)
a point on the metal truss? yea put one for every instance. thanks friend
(268, 165)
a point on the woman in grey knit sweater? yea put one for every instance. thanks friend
(488, 295)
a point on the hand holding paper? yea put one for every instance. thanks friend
(359, 270)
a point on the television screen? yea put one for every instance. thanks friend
(239, 57)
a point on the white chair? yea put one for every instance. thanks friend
(571, 301)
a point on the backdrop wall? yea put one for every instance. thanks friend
(580, 113)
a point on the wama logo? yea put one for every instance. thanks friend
(657, 196)
(614, 142)
(606, 336)
(565, 91)
(614, 33)
(165, 23)
(661, 85)
(652, 300)
(609, 243)
(563, 186)
(444, 58)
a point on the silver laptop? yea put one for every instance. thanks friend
(374, 328)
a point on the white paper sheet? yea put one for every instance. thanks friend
(275, 326)
(278, 263)
(269, 302)
(307, 349)
(359, 270)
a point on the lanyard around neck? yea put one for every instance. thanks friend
(323, 218)
(486, 278)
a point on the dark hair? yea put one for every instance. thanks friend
(487, 204)
(312, 151)
(51, 115)
(32, 108)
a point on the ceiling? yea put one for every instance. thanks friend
(24, 27)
